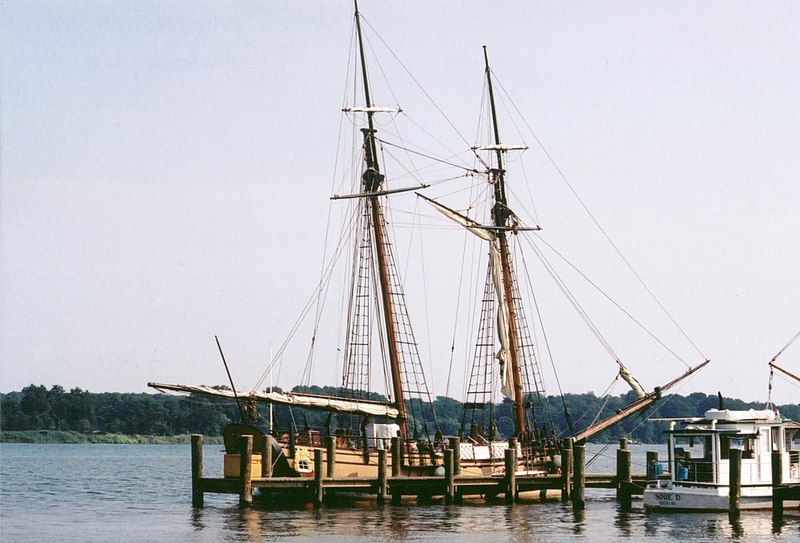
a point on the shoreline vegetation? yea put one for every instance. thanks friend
(67, 437)
(37, 414)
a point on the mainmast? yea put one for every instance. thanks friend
(372, 180)
(500, 214)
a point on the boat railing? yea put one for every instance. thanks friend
(418, 451)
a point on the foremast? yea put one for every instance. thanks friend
(500, 216)
(372, 179)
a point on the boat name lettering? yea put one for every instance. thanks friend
(668, 497)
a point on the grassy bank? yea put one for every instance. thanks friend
(55, 436)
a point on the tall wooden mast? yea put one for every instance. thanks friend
(372, 180)
(500, 214)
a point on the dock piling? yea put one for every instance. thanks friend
(652, 465)
(455, 444)
(383, 486)
(197, 470)
(396, 459)
(777, 481)
(566, 470)
(319, 490)
(330, 454)
(449, 477)
(735, 481)
(511, 474)
(266, 457)
(579, 476)
(245, 471)
(624, 473)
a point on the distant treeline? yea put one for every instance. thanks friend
(36, 408)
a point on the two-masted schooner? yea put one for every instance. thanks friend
(378, 325)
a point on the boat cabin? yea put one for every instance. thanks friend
(699, 448)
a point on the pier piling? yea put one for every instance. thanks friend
(397, 462)
(319, 490)
(652, 465)
(511, 474)
(197, 470)
(266, 457)
(579, 477)
(735, 481)
(455, 444)
(449, 477)
(383, 485)
(330, 454)
(245, 471)
(777, 481)
(566, 470)
(396, 459)
(624, 473)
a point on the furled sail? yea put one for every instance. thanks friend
(628, 377)
(503, 323)
(338, 405)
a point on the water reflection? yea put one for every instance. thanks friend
(622, 520)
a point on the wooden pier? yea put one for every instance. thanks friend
(781, 492)
(389, 484)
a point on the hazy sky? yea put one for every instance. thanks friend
(166, 172)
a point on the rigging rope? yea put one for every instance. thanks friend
(436, 159)
(601, 291)
(599, 227)
(774, 358)
(414, 79)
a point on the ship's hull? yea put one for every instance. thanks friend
(705, 498)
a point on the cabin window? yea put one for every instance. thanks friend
(744, 444)
(303, 465)
(692, 457)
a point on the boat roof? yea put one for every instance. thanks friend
(733, 421)
(749, 415)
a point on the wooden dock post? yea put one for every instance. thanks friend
(624, 473)
(330, 454)
(777, 481)
(735, 481)
(566, 470)
(383, 486)
(197, 470)
(652, 465)
(579, 476)
(397, 463)
(245, 471)
(266, 457)
(455, 444)
(319, 490)
(511, 474)
(449, 477)
(396, 458)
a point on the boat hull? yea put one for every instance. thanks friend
(705, 498)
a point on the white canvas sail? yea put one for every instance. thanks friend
(338, 405)
(473, 226)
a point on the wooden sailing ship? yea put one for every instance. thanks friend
(378, 326)
(505, 349)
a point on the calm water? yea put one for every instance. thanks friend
(142, 493)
